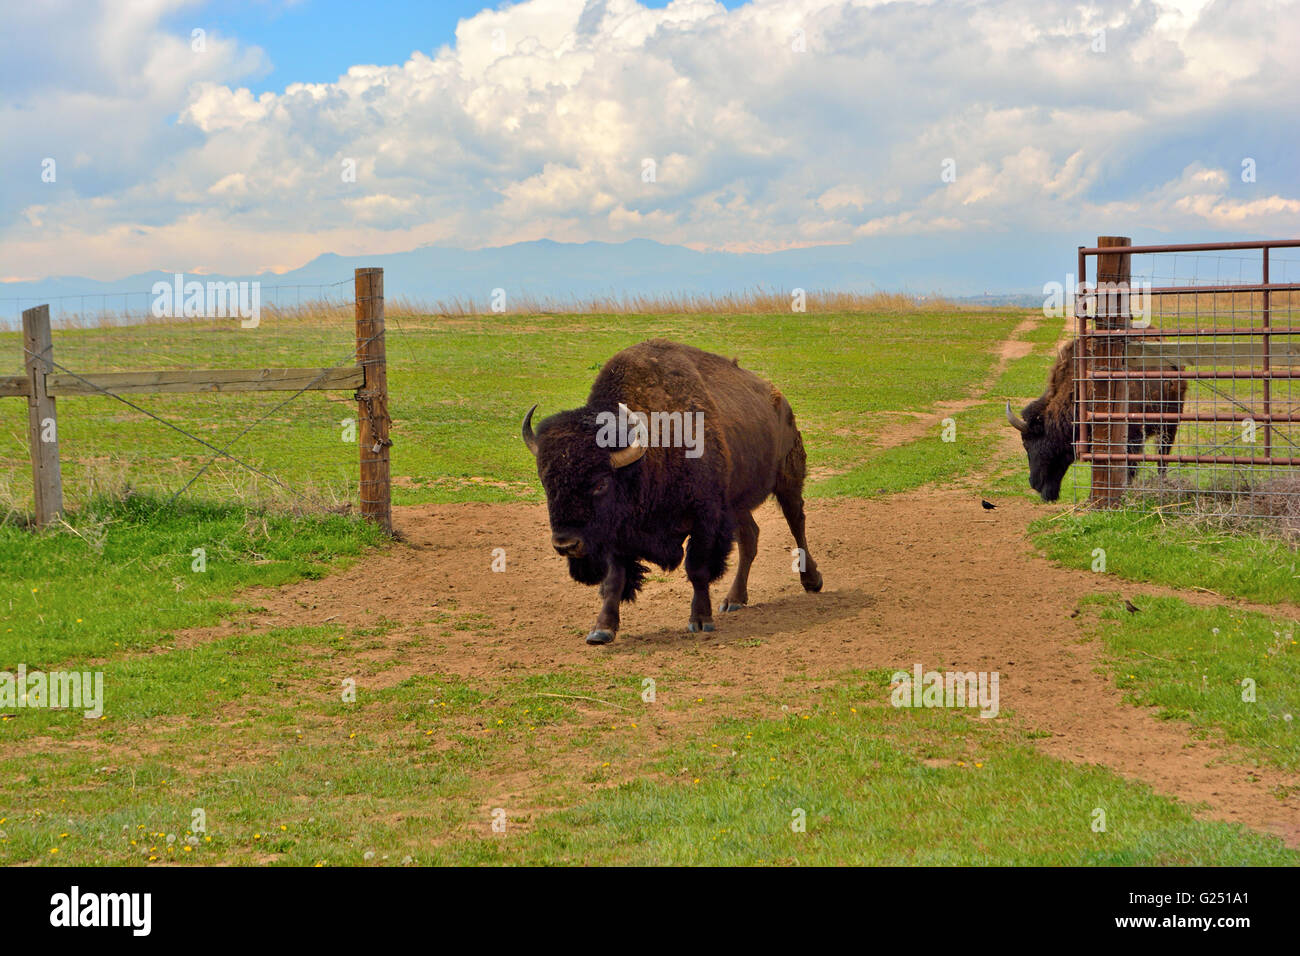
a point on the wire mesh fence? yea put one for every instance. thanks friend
(278, 448)
(1187, 378)
(110, 331)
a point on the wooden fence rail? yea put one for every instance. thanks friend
(43, 382)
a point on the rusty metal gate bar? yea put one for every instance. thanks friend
(1140, 377)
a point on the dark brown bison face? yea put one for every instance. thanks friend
(588, 494)
(1049, 443)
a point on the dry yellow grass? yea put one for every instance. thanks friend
(752, 302)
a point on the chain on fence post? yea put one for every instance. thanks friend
(42, 423)
(372, 400)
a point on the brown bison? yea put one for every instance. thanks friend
(1048, 430)
(673, 443)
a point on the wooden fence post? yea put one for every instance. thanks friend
(42, 423)
(372, 400)
(1110, 396)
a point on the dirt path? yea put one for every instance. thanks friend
(925, 577)
(912, 426)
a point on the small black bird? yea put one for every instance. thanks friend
(988, 505)
(1131, 607)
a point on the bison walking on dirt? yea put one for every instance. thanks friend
(1048, 430)
(619, 490)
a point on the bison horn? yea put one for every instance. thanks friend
(1016, 421)
(529, 438)
(634, 450)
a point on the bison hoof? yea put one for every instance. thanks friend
(811, 582)
(694, 626)
(732, 606)
(600, 637)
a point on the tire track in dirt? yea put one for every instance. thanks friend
(924, 577)
(908, 427)
(1007, 351)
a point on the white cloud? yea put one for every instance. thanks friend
(535, 122)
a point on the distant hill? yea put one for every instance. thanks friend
(1001, 270)
(559, 271)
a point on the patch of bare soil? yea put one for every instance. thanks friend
(926, 577)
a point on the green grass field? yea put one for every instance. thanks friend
(249, 728)
(1234, 675)
(460, 388)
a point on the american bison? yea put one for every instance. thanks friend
(673, 442)
(1048, 430)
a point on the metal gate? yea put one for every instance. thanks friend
(1195, 348)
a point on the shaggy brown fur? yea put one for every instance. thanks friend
(1152, 395)
(1049, 428)
(607, 518)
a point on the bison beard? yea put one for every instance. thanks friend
(1047, 426)
(586, 570)
(611, 509)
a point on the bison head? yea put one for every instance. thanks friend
(588, 487)
(1049, 443)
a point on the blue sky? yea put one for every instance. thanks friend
(323, 126)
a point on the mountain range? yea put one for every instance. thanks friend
(1003, 269)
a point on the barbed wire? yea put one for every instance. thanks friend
(160, 420)
(223, 451)
(250, 427)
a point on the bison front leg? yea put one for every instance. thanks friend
(611, 593)
(706, 560)
(1136, 445)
